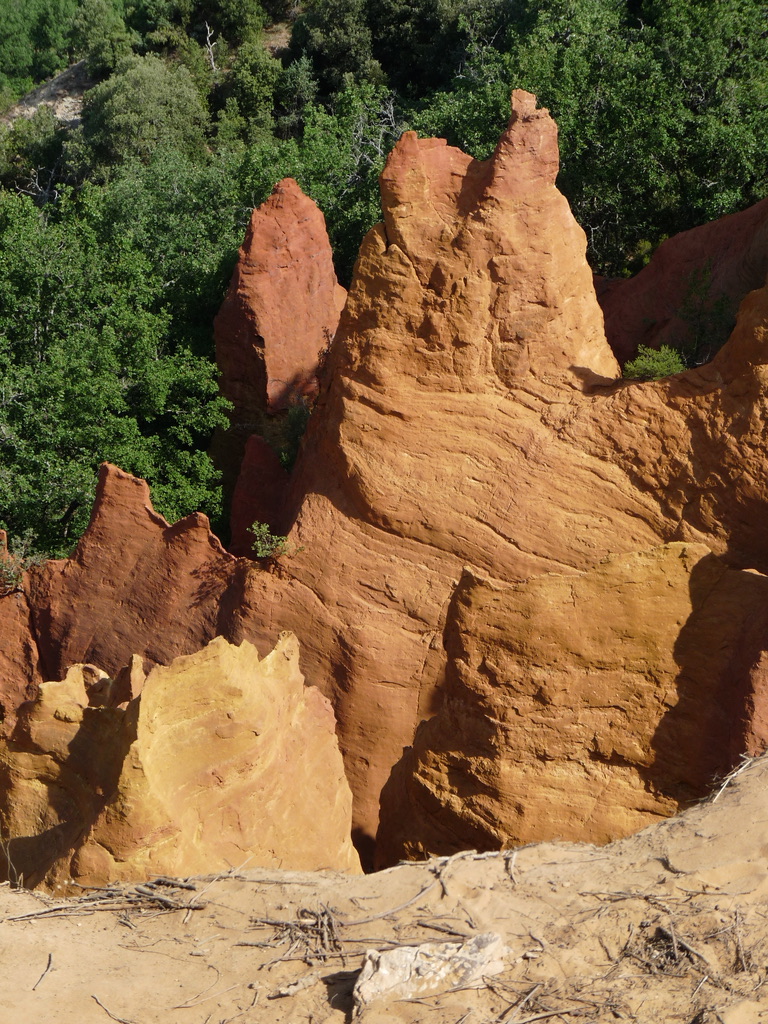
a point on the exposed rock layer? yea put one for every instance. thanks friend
(583, 706)
(473, 417)
(280, 314)
(222, 759)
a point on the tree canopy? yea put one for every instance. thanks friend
(118, 236)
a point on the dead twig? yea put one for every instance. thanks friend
(746, 761)
(503, 1018)
(543, 1016)
(47, 968)
(120, 1020)
(388, 913)
(193, 904)
(141, 897)
(443, 928)
(510, 866)
(670, 935)
(202, 996)
(742, 962)
(313, 931)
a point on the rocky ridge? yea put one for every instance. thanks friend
(474, 417)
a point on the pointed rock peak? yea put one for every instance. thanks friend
(125, 499)
(527, 156)
(279, 316)
(421, 172)
(525, 105)
(499, 258)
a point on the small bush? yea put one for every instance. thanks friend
(267, 544)
(15, 562)
(652, 364)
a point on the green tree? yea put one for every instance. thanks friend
(33, 42)
(652, 364)
(421, 45)
(340, 158)
(30, 153)
(474, 111)
(100, 35)
(89, 371)
(335, 36)
(296, 90)
(661, 110)
(254, 77)
(145, 105)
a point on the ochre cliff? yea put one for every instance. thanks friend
(222, 759)
(690, 291)
(278, 318)
(474, 416)
(583, 706)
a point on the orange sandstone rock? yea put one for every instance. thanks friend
(582, 707)
(474, 417)
(223, 759)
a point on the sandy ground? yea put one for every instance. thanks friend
(63, 93)
(668, 925)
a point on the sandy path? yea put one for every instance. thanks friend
(669, 925)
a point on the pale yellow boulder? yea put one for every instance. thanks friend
(223, 760)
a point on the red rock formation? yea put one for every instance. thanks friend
(472, 418)
(693, 285)
(19, 670)
(279, 316)
(134, 585)
(281, 310)
(223, 759)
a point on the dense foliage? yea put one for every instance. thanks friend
(117, 237)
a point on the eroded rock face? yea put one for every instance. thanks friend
(474, 417)
(689, 293)
(19, 663)
(280, 314)
(135, 584)
(584, 706)
(223, 758)
(19, 668)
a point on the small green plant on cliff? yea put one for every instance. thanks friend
(294, 428)
(267, 544)
(652, 364)
(15, 562)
